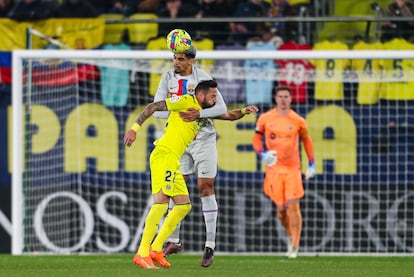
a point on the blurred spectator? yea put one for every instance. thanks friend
(102, 6)
(5, 7)
(217, 31)
(272, 37)
(144, 6)
(177, 9)
(33, 10)
(120, 6)
(301, 4)
(230, 5)
(401, 29)
(242, 31)
(281, 8)
(76, 9)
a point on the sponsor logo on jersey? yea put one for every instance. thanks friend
(174, 98)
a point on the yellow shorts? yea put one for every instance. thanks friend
(165, 173)
(282, 187)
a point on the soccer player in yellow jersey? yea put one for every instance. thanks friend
(166, 179)
(167, 182)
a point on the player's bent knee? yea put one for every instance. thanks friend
(184, 209)
(293, 208)
(205, 186)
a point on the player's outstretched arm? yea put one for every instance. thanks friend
(131, 134)
(219, 108)
(238, 113)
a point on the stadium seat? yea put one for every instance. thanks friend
(142, 32)
(113, 31)
(346, 31)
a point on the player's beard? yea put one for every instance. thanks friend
(206, 105)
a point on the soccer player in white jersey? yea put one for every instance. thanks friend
(200, 156)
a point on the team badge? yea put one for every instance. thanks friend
(191, 88)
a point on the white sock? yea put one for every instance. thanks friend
(210, 212)
(175, 236)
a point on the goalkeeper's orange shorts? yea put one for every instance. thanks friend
(282, 187)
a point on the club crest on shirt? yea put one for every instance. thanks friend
(191, 88)
(290, 127)
(272, 136)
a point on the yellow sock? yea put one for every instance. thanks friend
(154, 217)
(173, 218)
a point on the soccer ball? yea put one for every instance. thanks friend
(178, 41)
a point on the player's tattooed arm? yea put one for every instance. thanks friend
(238, 113)
(150, 109)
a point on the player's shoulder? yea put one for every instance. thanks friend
(169, 74)
(268, 114)
(295, 116)
(200, 74)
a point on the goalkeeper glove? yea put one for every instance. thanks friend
(310, 172)
(268, 157)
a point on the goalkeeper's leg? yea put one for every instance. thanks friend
(284, 220)
(295, 225)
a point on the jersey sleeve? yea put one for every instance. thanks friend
(162, 94)
(257, 138)
(306, 140)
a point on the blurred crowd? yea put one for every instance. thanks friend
(241, 32)
(27, 10)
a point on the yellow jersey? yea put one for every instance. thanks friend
(178, 134)
(369, 74)
(329, 83)
(398, 83)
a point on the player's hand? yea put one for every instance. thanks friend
(250, 109)
(269, 157)
(130, 137)
(310, 172)
(190, 115)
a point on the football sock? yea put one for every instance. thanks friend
(173, 218)
(210, 212)
(175, 236)
(154, 217)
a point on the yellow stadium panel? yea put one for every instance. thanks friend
(113, 31)
(13, 34)
(142, 32)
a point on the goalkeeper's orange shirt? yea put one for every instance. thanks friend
(281, 133)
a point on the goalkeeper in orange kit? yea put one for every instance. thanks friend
(281, 128)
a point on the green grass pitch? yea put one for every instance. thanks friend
(224, 265)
